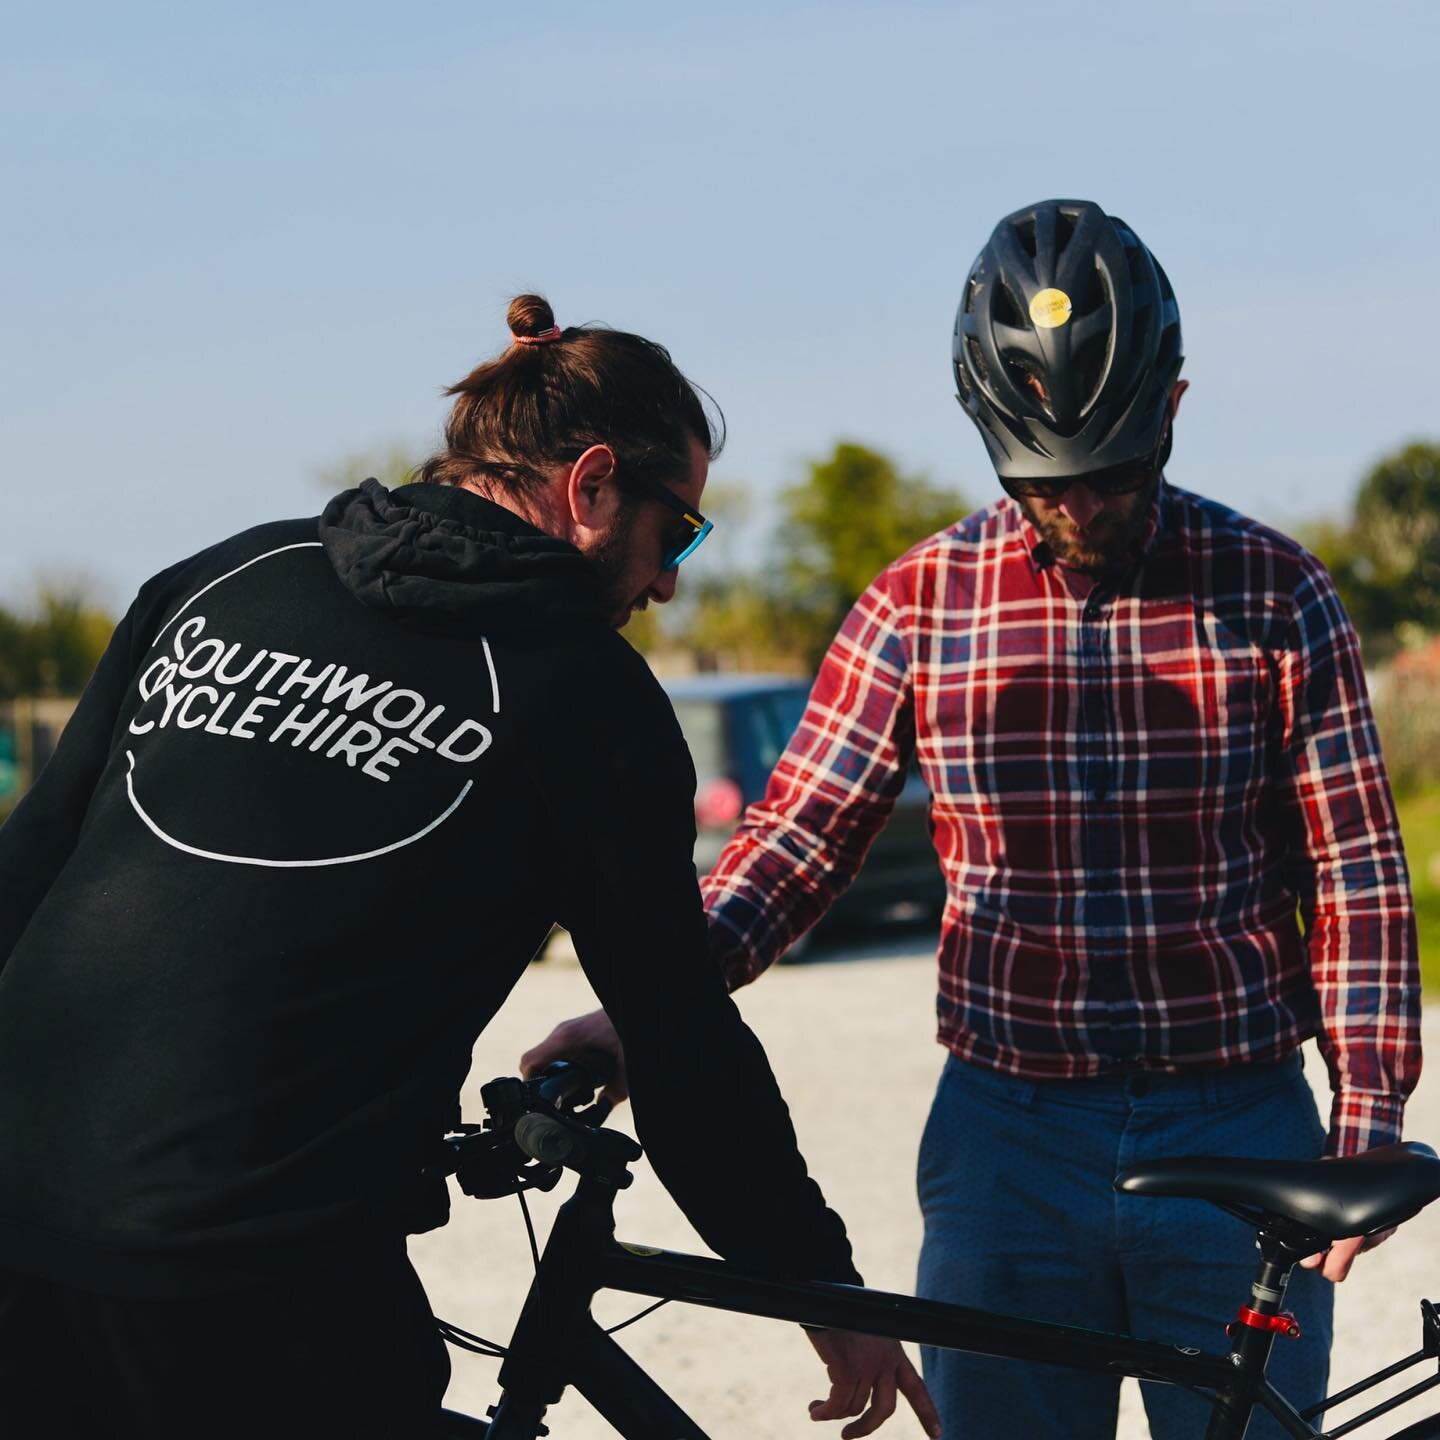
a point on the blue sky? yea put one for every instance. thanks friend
(244, 242)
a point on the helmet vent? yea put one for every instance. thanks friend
(977, 359)
(1007, 308)
(1064, 229)
(1090, 368)
(1137, 345)
(1025, 233)
(1030, 380)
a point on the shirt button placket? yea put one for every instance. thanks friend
(1104, 904)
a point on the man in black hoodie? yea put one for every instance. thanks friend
(325, 795)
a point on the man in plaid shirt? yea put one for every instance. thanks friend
(1144, 724)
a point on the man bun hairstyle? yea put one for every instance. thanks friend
(552, 393)
(531, 321)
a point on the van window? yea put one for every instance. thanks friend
(703, 725)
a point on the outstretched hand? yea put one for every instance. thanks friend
(570, 1039)
(866, 1373)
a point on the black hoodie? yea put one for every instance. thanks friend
(317, 809)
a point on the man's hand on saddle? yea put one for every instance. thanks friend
(1334, 1264)
(571, 1039)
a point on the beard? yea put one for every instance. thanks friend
(611, 560)
(1109, 542)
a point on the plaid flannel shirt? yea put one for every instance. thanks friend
(1133, 791)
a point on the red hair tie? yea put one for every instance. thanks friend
(544, 337)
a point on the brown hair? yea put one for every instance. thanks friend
(548, 401)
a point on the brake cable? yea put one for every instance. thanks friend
(535, 1256)
(648, 1310)
(477, 1344)
(464, 1340)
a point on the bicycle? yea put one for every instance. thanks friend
(535, 1130)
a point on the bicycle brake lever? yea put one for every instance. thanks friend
(594, 1115)
(488, 1166)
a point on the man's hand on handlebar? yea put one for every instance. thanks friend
(866, 1373)
(571, 1039)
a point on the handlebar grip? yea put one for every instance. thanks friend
(544, 1138)
(568, 1080)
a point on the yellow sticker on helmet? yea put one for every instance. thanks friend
(1050, 308)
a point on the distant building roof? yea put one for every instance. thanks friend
(730, 686)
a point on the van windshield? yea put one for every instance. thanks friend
(761, 727)
(770, 721)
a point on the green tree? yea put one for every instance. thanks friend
(53, 649)
(69, 636)
(854, 513)
(391, 465)
(1397, 532)
(14, 655)
(741, 622)
(1386, 558)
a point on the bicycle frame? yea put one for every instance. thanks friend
(557, 1342)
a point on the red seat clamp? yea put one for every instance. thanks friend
(1282, 1324)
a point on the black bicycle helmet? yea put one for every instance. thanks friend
(1067, 343)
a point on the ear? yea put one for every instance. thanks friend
(1177, 393)
(591, 491)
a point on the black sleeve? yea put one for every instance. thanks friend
(41, 833)
(37, 839)
(619, 786)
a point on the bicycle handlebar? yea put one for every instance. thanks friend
(550, 1132)
(544, 1138)
(539, 1119)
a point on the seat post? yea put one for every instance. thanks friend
(1253, 1332)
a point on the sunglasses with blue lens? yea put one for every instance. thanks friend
(699, 527)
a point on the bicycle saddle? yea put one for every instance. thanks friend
(1332, 1199)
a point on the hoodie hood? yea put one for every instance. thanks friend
(448, 561)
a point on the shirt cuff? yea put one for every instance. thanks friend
(1361, 1120)
(732, 952)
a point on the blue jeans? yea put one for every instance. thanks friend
(1021, 1217)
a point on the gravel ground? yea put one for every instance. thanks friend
(851, 1039)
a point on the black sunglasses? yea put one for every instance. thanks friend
(1123, 479)
(698, 526)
